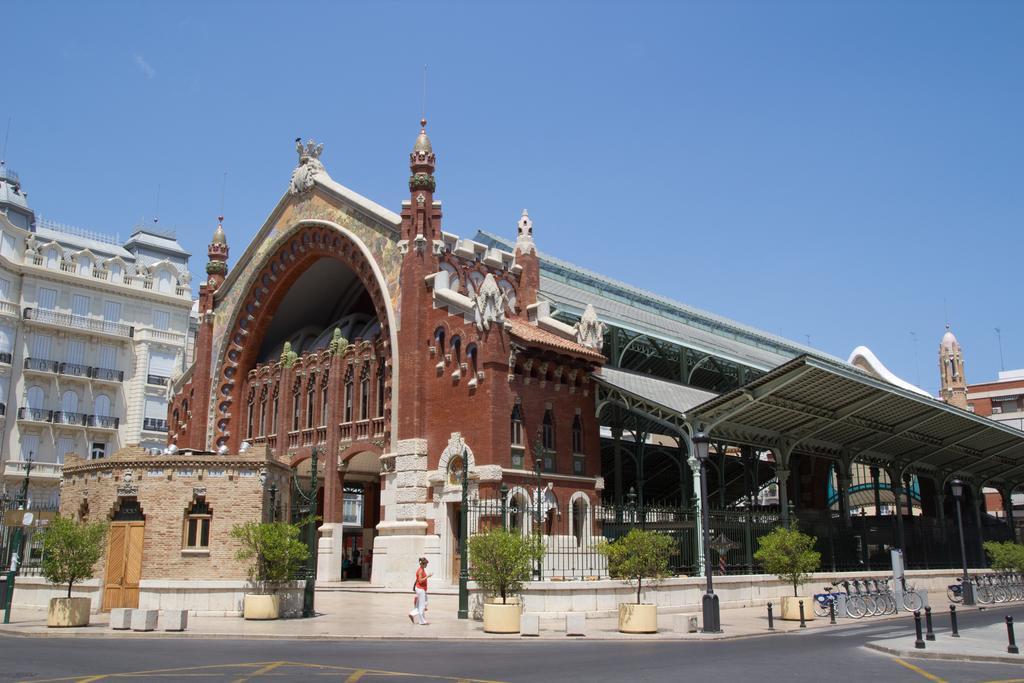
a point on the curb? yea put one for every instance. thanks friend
(950, 656)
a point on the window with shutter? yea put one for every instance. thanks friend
(5, 288)
(76, 352)
(161, 320)
(80, 305)
(65, 445)
(112, 311)
(47, 299)
(108, 357)
(41, 345)
(29, 446)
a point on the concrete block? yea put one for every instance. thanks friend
(529, 624)
(121, 618)
(174, 619)
(145, 619)
(575, 624)
(684, 623)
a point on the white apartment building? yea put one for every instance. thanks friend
(91, 332)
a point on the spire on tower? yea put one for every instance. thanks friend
(953, 384)
(421, 162)
(217, 265)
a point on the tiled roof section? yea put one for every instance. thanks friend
(531, 334)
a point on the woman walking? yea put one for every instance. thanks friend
(419, 587)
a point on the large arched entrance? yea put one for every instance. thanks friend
(320, 278)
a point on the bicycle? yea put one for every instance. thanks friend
(855, 605)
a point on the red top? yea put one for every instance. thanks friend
(421, 578)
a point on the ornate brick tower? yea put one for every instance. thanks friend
(217, 266)
(216, 271)
(953, 388)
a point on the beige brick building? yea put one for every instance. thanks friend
(170, 545)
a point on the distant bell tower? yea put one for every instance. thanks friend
(217, 266)
(953, 388)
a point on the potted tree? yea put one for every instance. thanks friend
(274, 552)
(501, 561)
(790, 555)
(639, 556)
(70, 553)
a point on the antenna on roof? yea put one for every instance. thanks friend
(223, 188)
(423, 109)
(945, 311)
(808, 339)
(3, 157)
(917, 366)
(156, 218)
(999, 337)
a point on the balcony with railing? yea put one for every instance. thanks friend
(3, 410)
(106, 375)
(157, 380)
(150, 334)
(102, 422)
(34, 414)
(63, 417)
(154, 424)
(79, 322)
(5, 358)
(74, 369)
(9, 308)
(41, 365)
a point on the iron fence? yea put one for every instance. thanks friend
(32, 546)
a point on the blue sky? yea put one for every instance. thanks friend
(847, 171)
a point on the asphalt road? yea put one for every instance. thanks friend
(819, 655)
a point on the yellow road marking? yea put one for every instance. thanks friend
(356, 675)
(919, 670)
(100, 677)
(1007, 680)
(267, 668)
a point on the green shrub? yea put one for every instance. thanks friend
(502, 560)
(789, 554)
(272, 549)
(1006, 556)
(71, 550)
(639, 556)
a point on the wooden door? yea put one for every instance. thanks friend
(124, 565)
(456, 525)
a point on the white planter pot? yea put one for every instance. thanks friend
(501, 618)
(261, 607)
(634, 618)
(65, 612)
(791, 608)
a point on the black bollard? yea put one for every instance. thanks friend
(1012, 647)
(771, 622)
(803, 624)
(952, 622)
(832, 611)
(929, 634)
(919, 642)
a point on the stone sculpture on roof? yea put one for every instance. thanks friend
(590, 330)
(488, 304)
(304, 175)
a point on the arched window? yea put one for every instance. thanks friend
(380, 388)
(163, 282)
(84, 264)
(263, 410)
(548, 440)
(471, 357)
(176, 420)
(310, 400)
(323, 400)
(250, 409)
(455, 470)
(296, 403)
(277, 405)
(348, 395)
(52, 257)
(196, 534)
(577, 435)
(518, 513)
(439, 341)
(115, 271)
(69, 402)
(364, 394)
(517, 425)
(35, 397)
(456, 347)
(101, 405)
(580, 523)
(510, 295)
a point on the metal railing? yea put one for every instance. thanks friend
(63, 417)
(41, 365)
(107, 374)
(79, 322)
(74, 369)
(32, 551)
(34, 414)
(103, 421)
(5, 357)
(154, 424)
(157, 380)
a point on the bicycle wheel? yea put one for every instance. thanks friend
(954, 595)
(912, 601)
(870, 605)
(983, 594)
(1000, 594)
(820, 607)
(855, 606)
(890, 604)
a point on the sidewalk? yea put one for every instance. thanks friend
(981, 644)
(364, 614)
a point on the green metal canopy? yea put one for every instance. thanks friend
(835, 411)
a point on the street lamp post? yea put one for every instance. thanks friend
(538, 452)
(16, 544)
(712, 615)
(463, 540)
(307, 507)
(967, 590)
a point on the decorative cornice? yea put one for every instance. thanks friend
(422, 181)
